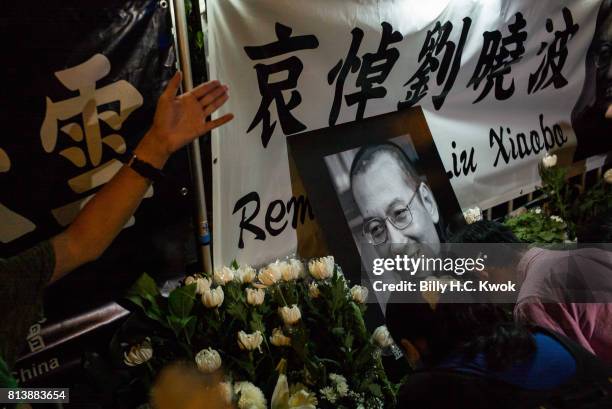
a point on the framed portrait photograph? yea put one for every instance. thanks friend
(378, 188)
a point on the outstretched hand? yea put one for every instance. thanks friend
(181, 119)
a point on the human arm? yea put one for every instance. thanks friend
(178, 121)
(561, 318)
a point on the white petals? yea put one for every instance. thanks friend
(213, 298)
(382, 337)
(290, 315)
(139, 353)
(271, 274)
(472, 215)
(223, 275)
(255, 296)
(245, 274)
(313, 290)
(322, 268)
(359, 294)
(208, 360)
(549, 161)
(250, 342)
(279, 339)
(608, 176)
(250, 396)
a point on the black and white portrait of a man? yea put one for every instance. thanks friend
(388, 204)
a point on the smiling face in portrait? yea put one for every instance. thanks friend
(398, 210)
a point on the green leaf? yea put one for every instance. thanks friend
(237, 311)
(200, 41)
(234, 264)
(144, 287)
(257, 323)
(175, 323)
(180, 300)
(375, 389)
(338, 331)
(190, 326)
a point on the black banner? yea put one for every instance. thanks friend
(80, 81)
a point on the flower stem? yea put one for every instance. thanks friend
(280, 291)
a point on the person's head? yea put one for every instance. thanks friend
(182, 386)
(433, 332)
(484, 231)
(502, 251)
(398, 209)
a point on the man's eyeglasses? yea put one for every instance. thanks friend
(375, 230)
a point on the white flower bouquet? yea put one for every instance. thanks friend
(290, 335)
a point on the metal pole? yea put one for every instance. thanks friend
(180, 25)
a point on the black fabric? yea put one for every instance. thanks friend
(23, 279)
(590, 388)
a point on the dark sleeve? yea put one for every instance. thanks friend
(450, 390)
(22, 280)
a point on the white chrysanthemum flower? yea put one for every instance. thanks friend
(359, 294)
(340, 384)
(537, 210)
(302, 398)
(245, 274)
(329, 393)
(213, 298)
(279, 339)
(202, 283)
(139, 353)
(313, 290)
(288, 272)
(250, 342)
(472, 215)
(548, 161)
(270, 274)
(608, 176)
(223, 275)
(297, 268)
(290, 315)
(255, 296)
(249, 396)
(322, 268)
(382, 337)
(556, 219)
(208, 360)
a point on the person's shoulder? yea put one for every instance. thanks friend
(38, 260)
(443, 389)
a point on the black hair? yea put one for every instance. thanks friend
(597, 230)
(485, 231)
(365, 156)
(464, 330)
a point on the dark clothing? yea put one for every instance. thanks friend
(23, 279)
(550, 366)
(444, 388)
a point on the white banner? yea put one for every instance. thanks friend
(497, 80)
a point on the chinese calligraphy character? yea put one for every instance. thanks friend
(496, 58)
(35, 340)
(273, 91)
(80, 118)
(374, 68)
(554, 59)
(436, 42)
(82, 78)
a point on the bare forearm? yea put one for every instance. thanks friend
(106, 213)
(177, 122)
